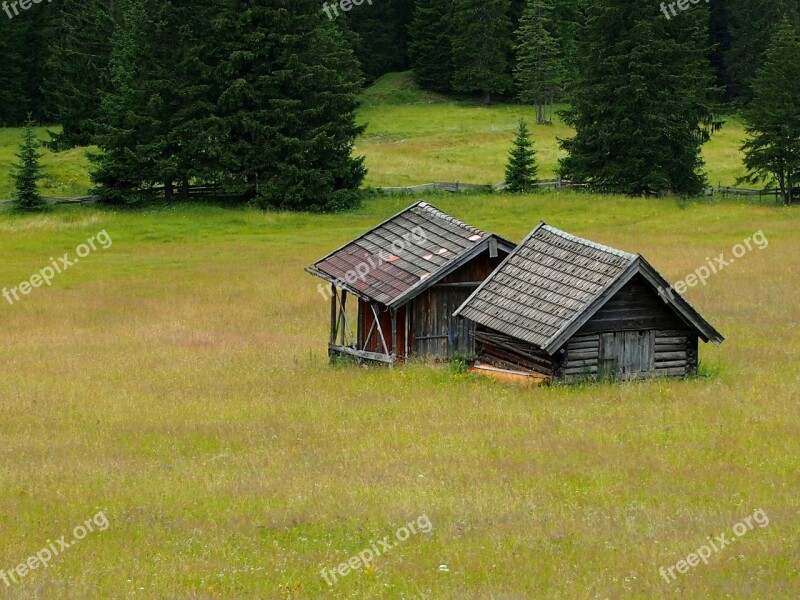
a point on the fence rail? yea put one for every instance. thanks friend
(53, 200)
(453, 187)
(458, 186)
(559, 184)
(734, 191)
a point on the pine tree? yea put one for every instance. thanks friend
(139, 130)
(539, 70)
(521, 169)
(480, 34)
(751, 24)
(192, 94)
(568, 21)
(38, 32)
(12, 93)
(430, 48)
(382, 36)
(287, 111)
(28, 172)
(772, 151)
(77, 69)
(130, 124)
(642, 106)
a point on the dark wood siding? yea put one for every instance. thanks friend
(636, 334)
(635, 307)
(504, 352)
(582, 355)
(434, 332)
(676, 352)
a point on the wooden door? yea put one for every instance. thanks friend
(626, 353)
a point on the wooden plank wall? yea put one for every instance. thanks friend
(635, 307)
(644, 319)
(582, 355)
(505, 352)
(435, 332)
(676, 352)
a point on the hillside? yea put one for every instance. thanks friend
(412, 137)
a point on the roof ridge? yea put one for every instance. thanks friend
(440, 214)
(589, 243)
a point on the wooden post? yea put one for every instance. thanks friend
(361, 343)
(393, 313)
(333, 314)
(380, 329)
(407, 310)
(343, 309)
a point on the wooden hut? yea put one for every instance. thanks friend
(408, 275)
(561, 307)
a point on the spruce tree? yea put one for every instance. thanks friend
(430, 48)
(480, 34)
(37, 26)
(772, 151)
(642, 106)
(12, 93)
(539, 70)
(146, 104)
(521, 169)
(382, 35)
(191, 147)
(287, 111)
(750, 26)
(77, 69)
(28, 172)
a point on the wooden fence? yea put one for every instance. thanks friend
(559, 184)
(195, 191)
(734, 191)
(52, 200)
(455, 187)
(207, 191)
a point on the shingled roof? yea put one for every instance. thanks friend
(554, 282)
(405, 255)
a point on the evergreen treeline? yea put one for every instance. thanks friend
(259, 97)
(56, 56)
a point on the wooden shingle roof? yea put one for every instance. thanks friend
(554, 282)
(404, 255)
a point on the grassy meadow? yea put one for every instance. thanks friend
(178, 381)
(412, 137)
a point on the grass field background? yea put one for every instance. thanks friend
(412, 137)
(179, 381)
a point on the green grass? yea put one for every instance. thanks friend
(66, 174)
(179, 381)
(413, 137)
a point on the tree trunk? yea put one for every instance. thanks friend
(168, 190)
(487, 97)
(782, 187)
(185, 188)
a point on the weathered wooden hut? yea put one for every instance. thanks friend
(561, 307)
(408, 274)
